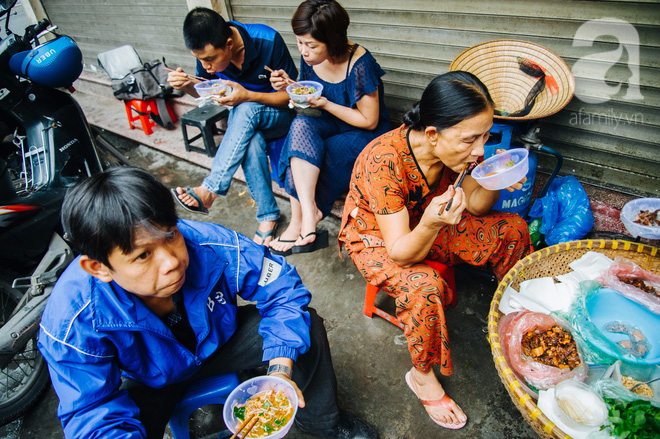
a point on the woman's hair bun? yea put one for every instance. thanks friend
(412, 118)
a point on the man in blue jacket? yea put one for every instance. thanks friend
(150, 306)
(238, 54)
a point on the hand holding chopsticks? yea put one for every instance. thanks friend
(287, 80)
(459, 182)
(199, 78)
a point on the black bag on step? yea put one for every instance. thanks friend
(133, 80)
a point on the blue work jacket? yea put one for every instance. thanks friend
(92, 332)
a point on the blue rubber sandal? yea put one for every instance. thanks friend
(194, 209)
(268, 233)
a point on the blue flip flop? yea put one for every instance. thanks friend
(266, 234)
(194, 209)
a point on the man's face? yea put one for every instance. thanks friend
(155, 268)
(214, 60)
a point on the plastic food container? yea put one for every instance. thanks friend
(302, 100)
(251, 387)
(608, 306)
(579, 406)
(213, 87)
(629, 215)
(502, 170)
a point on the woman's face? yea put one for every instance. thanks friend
(463, 142)
(313, 51)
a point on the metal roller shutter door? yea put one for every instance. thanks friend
(613, 143)
(153, 27)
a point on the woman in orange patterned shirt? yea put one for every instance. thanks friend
(396, 217)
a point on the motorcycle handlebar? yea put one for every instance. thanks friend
(31, 32)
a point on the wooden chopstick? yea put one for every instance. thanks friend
(243, 426)
(199, 78)
(289, 80)
(458, 182)
(247, 431)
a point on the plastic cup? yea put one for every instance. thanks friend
(213, 87)
(251, 387)
(502, 170)
(629, 215)
(303, 100)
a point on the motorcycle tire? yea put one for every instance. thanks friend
(25, 378)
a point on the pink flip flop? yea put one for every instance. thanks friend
(444, 402)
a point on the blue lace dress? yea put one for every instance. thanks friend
(329, 143)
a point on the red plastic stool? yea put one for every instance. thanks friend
(143, 108)
(370, 308)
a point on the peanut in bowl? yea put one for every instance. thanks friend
(301, 91)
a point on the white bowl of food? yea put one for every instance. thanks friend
(213, 87)
(268, 402)
(502, 170)
(579, 406)
(301, 91)
(642, 217)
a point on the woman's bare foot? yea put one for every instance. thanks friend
(205, 195)
(309, 222)
(266, 229)
(287, 239)
(428, 388)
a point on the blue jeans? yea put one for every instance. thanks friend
(249, 126)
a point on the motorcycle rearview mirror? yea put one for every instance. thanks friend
(6, 5)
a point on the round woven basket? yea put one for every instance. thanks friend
(553, 261)
(495, 63)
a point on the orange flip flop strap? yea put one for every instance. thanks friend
(444, 402)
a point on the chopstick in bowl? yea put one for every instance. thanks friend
(199, 78)
(245, 424)
(288, 80)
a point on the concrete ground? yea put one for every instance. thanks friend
(370, 355)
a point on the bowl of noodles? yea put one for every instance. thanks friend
(301, 91)
(502, 170)
(268, 402)
(213, 87)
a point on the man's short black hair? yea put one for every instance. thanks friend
(103, 212)
(204, 26)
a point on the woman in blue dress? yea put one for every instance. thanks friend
(318, 155)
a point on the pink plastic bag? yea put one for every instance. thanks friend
(625, 268)
(538, 375)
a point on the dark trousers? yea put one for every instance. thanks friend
(312, 372)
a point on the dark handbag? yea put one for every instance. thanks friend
(144, 83)
(130, 79)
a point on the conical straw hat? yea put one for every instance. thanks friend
(495, 63)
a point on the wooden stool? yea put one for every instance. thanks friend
(212, 390)
(205, 119)
(143, 109)
(370, 308)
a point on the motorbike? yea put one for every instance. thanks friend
(46, 146)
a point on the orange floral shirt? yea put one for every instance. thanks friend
(386, 178)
